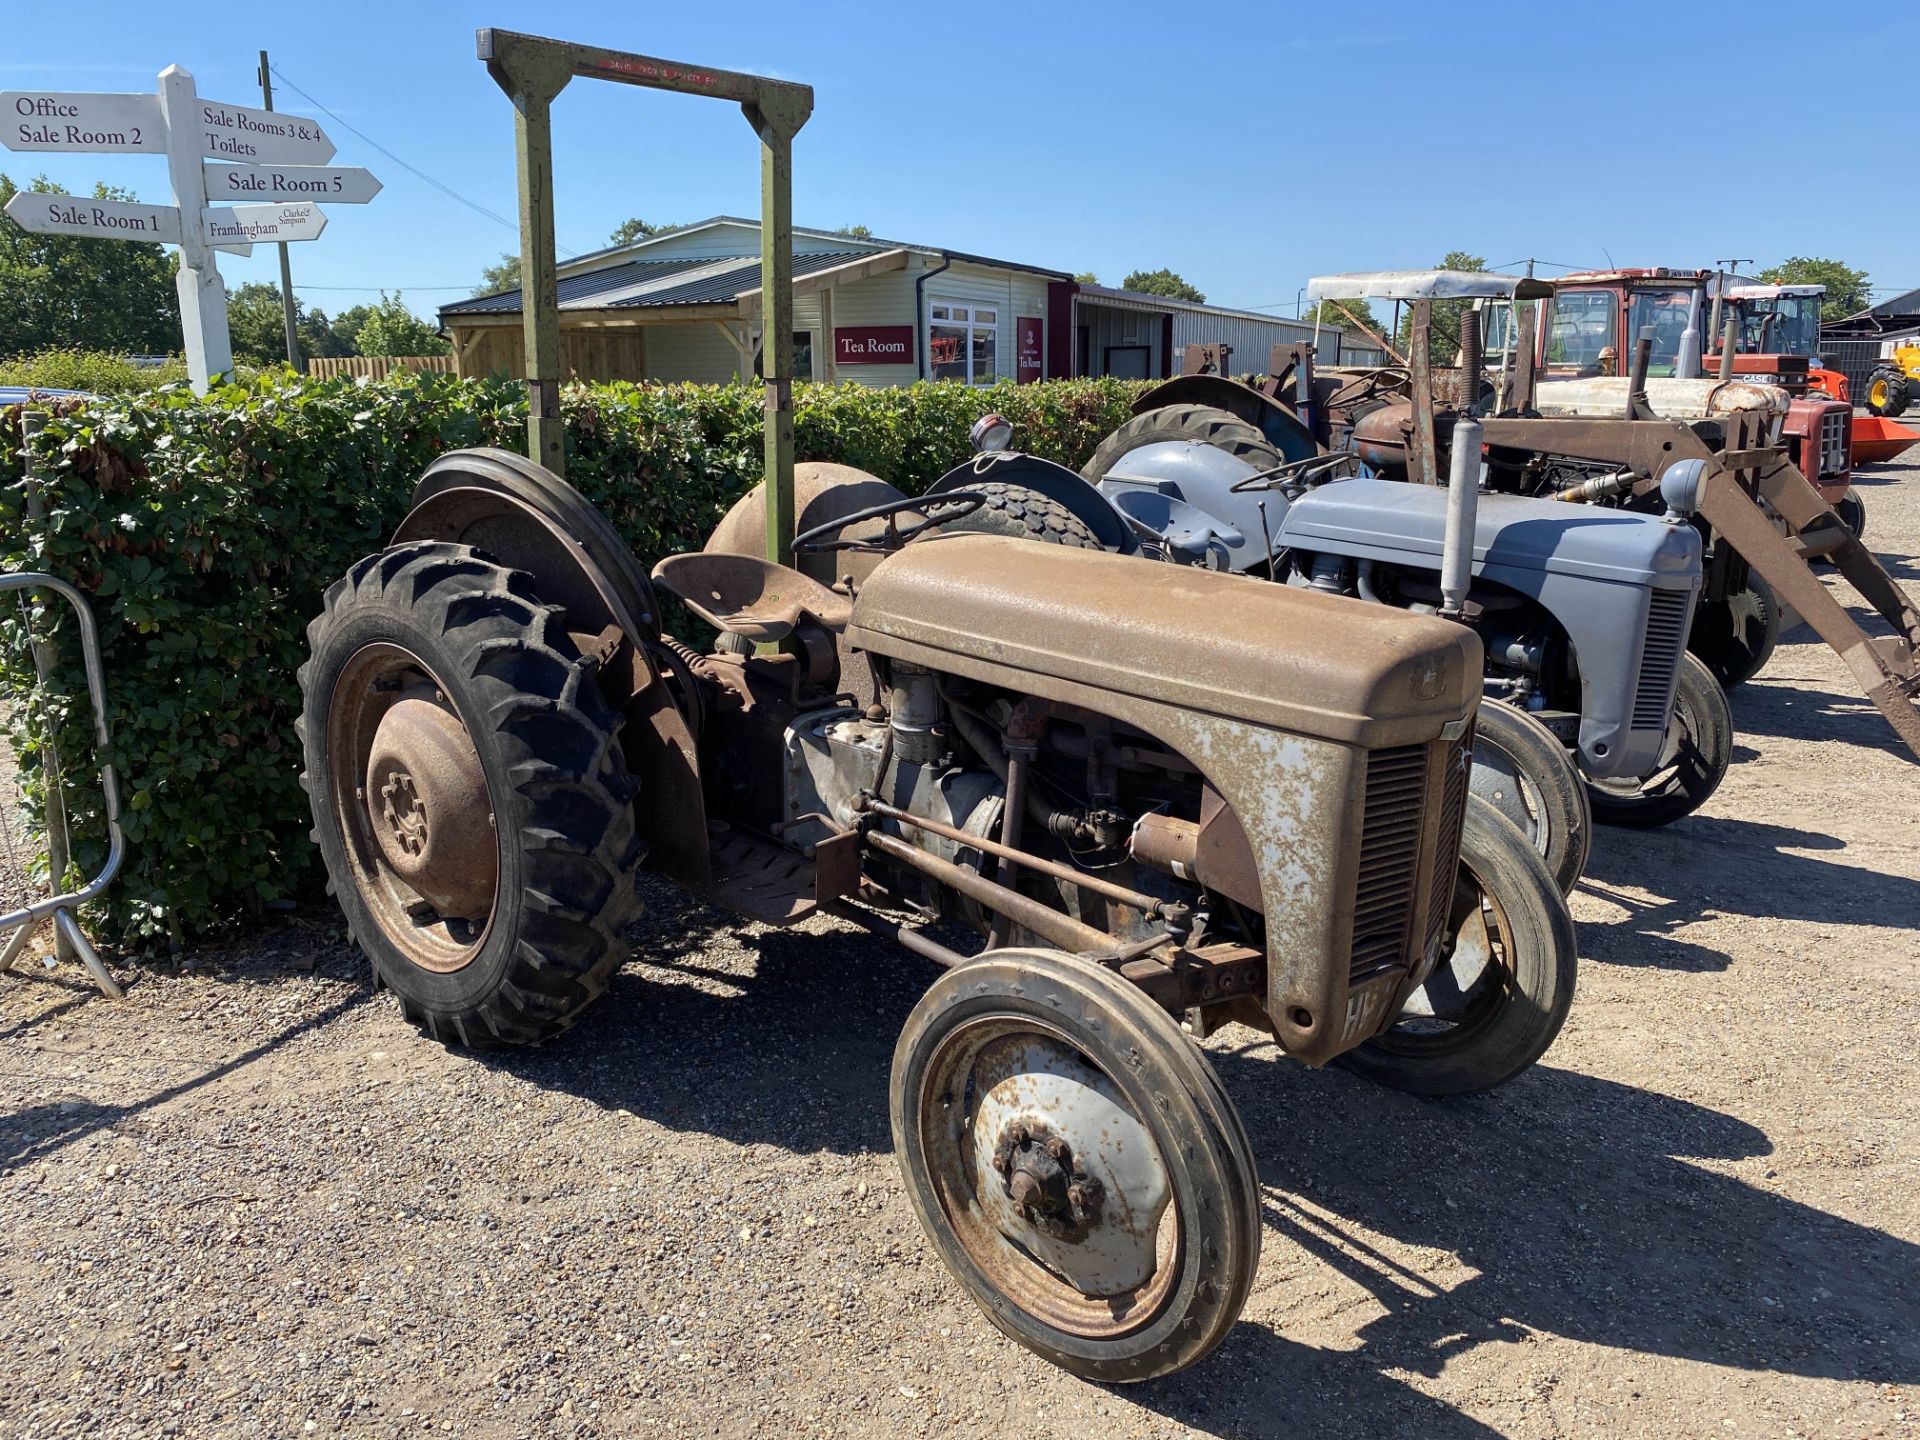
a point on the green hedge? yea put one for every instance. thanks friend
(207, 529)
(98, 372)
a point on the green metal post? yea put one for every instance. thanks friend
(776, 329)
(540, 281)
(532, 70)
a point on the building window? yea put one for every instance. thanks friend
(802, 357)
(963, 343)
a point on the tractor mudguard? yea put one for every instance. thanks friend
(1621, 585)
(1278, 423)
(1056, 482)
(525, 516)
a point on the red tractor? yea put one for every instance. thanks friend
(1598, 314)
(1781, 323)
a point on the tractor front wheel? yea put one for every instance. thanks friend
(1889, 391)
(1076, 1164)
(469, 795)
(1500, 993)
(1693, 760)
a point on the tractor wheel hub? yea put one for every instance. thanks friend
(427, 798)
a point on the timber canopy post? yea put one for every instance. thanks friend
(533, 70)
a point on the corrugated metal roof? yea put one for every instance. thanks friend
(725, 286)
(588, 287)
(645, 284)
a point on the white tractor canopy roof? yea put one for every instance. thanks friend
(1772, 292)
(1426, 285)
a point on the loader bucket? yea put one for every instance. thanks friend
(1877, 439)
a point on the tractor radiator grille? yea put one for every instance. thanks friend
(1666, 638)
(1389, 859)
(1446, 850)
(1835, 432)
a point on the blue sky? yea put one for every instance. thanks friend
(1246, 146)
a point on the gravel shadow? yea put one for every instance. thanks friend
(1801, 712)
(786, 1040)
(1735, 867)
(1573, 1199)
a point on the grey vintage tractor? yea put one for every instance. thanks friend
(1159, 817)
(1583, 614)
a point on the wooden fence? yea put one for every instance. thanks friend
(377, 367)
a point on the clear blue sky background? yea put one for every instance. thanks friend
(1247, 146)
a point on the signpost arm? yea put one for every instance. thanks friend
(203, 297)
(286, 269)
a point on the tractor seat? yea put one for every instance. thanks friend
(750, 596)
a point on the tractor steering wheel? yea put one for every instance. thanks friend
(1293, 472)
(937, 510)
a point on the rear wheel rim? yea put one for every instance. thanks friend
(983, 1119)
(411, 800)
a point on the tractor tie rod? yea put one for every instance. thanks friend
(1120, 894)
(1049, 924)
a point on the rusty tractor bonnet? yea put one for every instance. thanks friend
(1280, 731)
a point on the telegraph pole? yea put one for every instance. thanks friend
(286, 268)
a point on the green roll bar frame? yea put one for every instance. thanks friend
(533, 70)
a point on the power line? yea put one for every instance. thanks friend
(446, 190)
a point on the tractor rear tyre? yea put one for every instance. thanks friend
(1501, 992)
(1734, 637)
(1205, 423)
(1025, 513)
(1076, 1164)
(1523, 771)
(1889, 391)
(469, 795)
(1693, 762)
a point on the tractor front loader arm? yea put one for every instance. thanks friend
(1748, 492)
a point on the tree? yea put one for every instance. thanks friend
(1349, 315)
(393, 329)
(1162, 282)
(81, 293)
(504, 276)
(1847, 290)
(347, 326)
(625, 233)
(855, 232)
(1445, 341)
(1086, 277)
(258, 324)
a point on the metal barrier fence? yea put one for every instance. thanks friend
(61, 903)
(19, 920)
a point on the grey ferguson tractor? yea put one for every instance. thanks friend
(1166, 798)
(1583, 614)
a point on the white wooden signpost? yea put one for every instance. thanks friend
(270, 170)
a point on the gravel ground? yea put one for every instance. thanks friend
(249, 1201)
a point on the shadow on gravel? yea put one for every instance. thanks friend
(1751, 873)
(1801, 712)
(1574, 1201)
(792, 1051)
(28, 1134)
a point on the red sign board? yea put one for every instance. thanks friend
(873, 344)
(1027, 349)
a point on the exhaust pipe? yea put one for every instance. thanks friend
(1463, 505)
(1463, 478)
